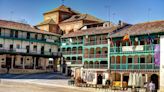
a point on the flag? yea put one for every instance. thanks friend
(126, 37)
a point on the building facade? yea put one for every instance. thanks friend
(63, 20)
(114, 59)
(25, 49)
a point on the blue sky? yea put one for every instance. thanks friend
(131, 11)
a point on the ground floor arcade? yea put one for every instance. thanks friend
(100, 76)
(22, 63)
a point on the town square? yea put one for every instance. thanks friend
(81, 46)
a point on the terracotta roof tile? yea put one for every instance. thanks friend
(142, 28)
(63, 8)
(82, 17)
(22, 27)
(49, 21)
(90, 31)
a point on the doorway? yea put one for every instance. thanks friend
(28, 49)
(8, 62)
(99, 79)
(42, 50)
(155, 80)
(126, 78)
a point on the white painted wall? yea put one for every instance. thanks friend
(161, 61)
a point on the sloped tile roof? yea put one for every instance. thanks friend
(49, 21)
(141, 29)
(63, 8)
(22, 27)
(82, 17)
(90, 31)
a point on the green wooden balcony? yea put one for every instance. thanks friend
(25, 52)
(33, 40)
(132, 49)
(67, 43)
(72, 52)
(76, 61)
(98, 42)
(140, 66)
(95, 55)
(96, 66)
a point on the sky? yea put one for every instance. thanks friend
(130, 11)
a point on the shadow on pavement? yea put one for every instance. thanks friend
(52, 75)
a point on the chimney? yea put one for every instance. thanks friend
(106, 24)
(120, 23)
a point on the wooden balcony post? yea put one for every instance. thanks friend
(121, 62)
(139, 60)
(121, 79)
(109, 62)
(34, 62)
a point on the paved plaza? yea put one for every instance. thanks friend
(44, 82)
(51, 75)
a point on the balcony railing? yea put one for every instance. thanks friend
(138, 48)
(96, 42)
(96, 66)
(76, 61)
(24, 51)
(72, 43)
(140, 66)
(95, 55)
(72, 52)
(57, 42)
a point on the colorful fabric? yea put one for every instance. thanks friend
(157, 55)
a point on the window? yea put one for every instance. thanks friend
(142, 60)
(129, 60)
(58, 49)
(42, 37)
(1, 45)
(11, 33)
(142, 42)
(0, 30)
(36, 36)
(155, 41)
(21, 60)
(49, 50)
(50, 62)
(11, 47)
(28, 35)
(18, 46)
(16, 34)
(35, 48)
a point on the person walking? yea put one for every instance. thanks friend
(152, 87)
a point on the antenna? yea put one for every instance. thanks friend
(113, 14)
(11, 17)
(108, 7)
(108, 11)
(62, 2)
(149, 11)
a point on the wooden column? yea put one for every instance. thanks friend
(34, 62)
(121, 79)
(12, 62)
